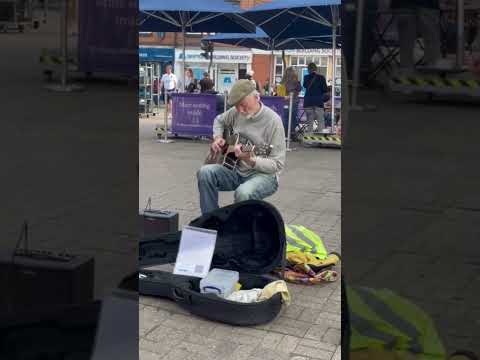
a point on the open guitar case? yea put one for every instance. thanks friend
(250, 240)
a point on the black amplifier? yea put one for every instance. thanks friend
(35, 278)
(156, 222)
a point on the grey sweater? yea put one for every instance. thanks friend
(265, 128)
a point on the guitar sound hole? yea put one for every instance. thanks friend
(230, 161)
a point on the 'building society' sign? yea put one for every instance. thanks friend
(219, 57)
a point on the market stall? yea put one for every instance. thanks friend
(276, 103)
(193, 114)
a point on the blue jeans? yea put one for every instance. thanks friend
(213, 178)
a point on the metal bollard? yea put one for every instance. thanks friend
(290, 107)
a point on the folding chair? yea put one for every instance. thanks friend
(302, 122)
(300, 129)
(386, 43)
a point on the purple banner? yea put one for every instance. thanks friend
(193, 114)
(108, 36)
(276, 103)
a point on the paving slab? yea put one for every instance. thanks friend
(309, 194)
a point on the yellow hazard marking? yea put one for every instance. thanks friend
(323, 138)
(471, 83)
(437, 82)
(454, 83)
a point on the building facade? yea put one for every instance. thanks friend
(229, 63)
(266, 67)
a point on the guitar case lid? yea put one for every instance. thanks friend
(250, 239)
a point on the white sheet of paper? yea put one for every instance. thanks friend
(195, 253)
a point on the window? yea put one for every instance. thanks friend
(278, 74)
(145, 34)
(323, 63)
(322, 70)
(338, 72)
(300, 74)
(278, 69)
(198, 34)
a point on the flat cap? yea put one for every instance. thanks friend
(239, 90)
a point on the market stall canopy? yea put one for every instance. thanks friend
(192, 16)
(284, 19)
(260, 40)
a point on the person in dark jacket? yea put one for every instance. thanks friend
(426, 15)
(206, 84)
(315, 94)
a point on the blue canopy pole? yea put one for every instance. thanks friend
(460, 34)
(272, 69)
(184, 58)
(357, 54)
(334, 59)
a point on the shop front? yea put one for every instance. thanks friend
(227, 66)
(160, 56)
(152, 62)
(299, 60)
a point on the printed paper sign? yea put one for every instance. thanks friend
(195, 254)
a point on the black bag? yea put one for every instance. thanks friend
(250, 240)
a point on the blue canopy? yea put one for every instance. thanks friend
(260, 40)
(192, 16)
(283, 19)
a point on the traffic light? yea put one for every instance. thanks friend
(205, 53)
(207, 48)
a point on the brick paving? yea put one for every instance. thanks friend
(309, 194)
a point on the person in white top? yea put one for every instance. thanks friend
(168, 85)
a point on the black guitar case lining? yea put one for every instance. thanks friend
(250, 240)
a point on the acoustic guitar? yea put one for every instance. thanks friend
(226, 156)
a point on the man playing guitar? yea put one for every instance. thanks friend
(252, 177)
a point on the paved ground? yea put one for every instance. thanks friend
(410, 208)
(309, 194)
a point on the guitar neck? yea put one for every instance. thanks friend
(234, 139)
